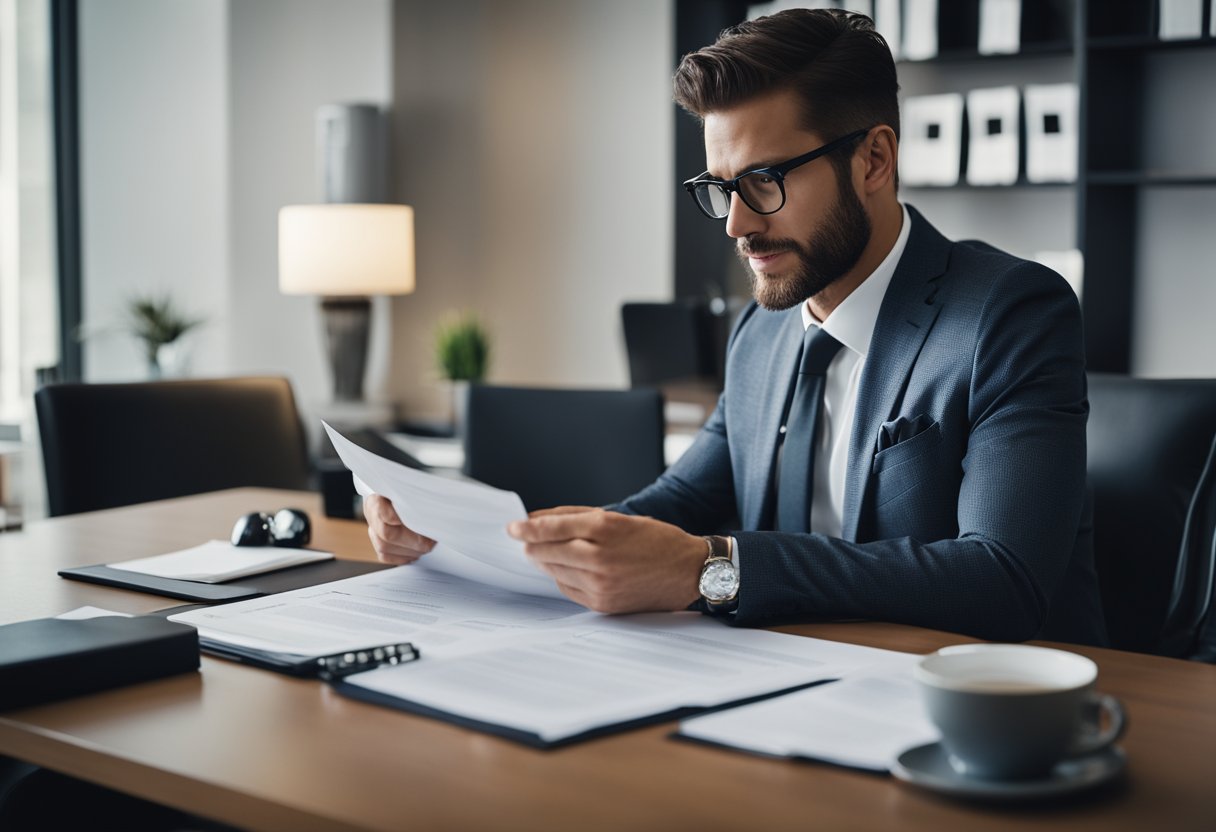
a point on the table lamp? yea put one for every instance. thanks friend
(346, 253)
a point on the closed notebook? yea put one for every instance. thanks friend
(51, 658)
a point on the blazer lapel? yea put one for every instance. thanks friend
(778, 385)
(904, 320)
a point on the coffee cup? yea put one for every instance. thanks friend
(1012, 711)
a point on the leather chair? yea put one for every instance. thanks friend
(107, 445)
(670, 342)
(564, 447)
(1152, 456)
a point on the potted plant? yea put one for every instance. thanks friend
(159, 324)
(462, 350)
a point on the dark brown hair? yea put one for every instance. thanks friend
(834, 60)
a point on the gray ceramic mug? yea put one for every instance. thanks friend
(1012, 711)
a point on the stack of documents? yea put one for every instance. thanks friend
(502, 650)
(864, 721)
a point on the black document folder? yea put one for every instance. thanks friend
(252, 586)
(532, 740)
(51, 658)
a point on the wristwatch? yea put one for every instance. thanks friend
(719, 583)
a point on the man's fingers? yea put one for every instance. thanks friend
(576, 525)
(381, 508)
(546, 512)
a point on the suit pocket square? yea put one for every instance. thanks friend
(902, 439)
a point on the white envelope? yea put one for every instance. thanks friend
(1000, 27)
(992, 115)
(1051, 132)
(920, 29)
(931, 150)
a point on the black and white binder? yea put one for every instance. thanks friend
(992, 118)
(1180, 19)
(1051, 132)
(1000, 27)
(932, 141)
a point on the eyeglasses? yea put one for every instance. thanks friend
(287, 527)
(762, 189)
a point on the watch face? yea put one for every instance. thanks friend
(719, 580)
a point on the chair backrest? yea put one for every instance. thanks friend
(107, 445)
(1149, 443)
(668, 342)
(564, 447)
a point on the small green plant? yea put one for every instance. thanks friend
(155, 321)
(462, 348)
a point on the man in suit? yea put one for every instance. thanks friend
(902, 431)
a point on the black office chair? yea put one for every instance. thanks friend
(564, 447)
(1151, 466)
(107, 445)
(668, 342)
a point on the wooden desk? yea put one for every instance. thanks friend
(264, 751)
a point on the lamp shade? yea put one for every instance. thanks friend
(346, 249)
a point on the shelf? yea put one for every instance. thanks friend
(1150, 179)
(1044, 49)
(964, 186)
(1146, 43)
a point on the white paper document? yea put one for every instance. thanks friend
(564, 680)
(409, 603)
(863, 721)
(469, 520)
(217, 561)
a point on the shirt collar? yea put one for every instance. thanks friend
(852, 321)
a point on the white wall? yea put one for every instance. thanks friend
(196, 127)
(154, 172)
(533, 138)
(287, 58)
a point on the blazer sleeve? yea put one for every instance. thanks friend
(697, 492)
(1019, 502)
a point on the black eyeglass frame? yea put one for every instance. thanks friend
(776, 172)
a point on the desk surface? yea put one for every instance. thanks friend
(264, 751)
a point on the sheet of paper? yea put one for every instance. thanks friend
(409, 603)
(863, 721)
(469, 520)
(587, 672)
(218, 560)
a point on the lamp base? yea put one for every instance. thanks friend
(347, 328)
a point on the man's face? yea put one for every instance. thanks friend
(820, 232)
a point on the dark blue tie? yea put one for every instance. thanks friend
(797, 473)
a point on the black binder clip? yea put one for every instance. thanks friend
(341, 665)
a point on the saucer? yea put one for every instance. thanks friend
(928, 766)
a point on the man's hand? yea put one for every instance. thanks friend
(614, 563)
(393, 541)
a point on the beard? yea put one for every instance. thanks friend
(830, 253)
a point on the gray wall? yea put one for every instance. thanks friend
(534, 139)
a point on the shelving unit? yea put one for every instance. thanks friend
(1146, 163)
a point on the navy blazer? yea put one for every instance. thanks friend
(965, 506)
